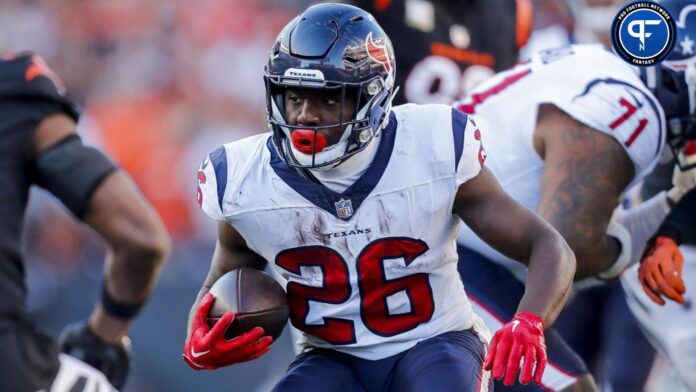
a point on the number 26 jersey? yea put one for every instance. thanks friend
(370, 271)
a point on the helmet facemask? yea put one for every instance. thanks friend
(330, 47)
(372, 103)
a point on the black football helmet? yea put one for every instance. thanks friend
(674, 80)
(331, 47)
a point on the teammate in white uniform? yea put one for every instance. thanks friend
(358, 205)
(568, 137)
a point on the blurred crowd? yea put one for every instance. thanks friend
(161, 83)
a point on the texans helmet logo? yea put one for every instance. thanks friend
(378, 53)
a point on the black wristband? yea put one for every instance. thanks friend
(670, 230)
(119, 309)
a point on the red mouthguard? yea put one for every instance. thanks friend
(303, 141)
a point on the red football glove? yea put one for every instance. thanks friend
(207, 348)
(523, 336)
(660, 271)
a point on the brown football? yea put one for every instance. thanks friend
(256, 299)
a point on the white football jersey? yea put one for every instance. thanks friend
(370, 271)
(586, 82)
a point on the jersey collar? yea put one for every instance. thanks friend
(341, 205)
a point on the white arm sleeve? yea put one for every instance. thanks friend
(643, 221)
(639, 224)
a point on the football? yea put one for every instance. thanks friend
(256, 299)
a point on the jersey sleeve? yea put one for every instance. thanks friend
(212, 183)
(469, 154)
(26, 76)
(627, 113)
(610, 99)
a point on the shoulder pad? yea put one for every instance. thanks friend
(468, 147)
(227, 170)
(212, 182)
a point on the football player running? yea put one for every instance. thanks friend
(40, 146)
(357, 205)
(574, 138)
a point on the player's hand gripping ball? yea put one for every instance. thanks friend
(113, 360)
(256, 300)
(521, 337)
(660, 271)
(237, 320)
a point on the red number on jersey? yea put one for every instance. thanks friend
(374, 286)
(199, 192)
(335, 290)
(630, 110)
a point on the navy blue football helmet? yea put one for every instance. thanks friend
(674, 80)
(334, 47)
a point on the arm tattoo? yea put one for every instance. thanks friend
(585, 173)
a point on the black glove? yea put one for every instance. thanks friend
(114, 361)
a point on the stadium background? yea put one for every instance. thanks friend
(162, 83)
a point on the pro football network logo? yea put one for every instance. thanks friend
(643, 33)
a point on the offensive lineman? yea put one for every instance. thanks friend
(381, 308)
(574, 138)
(40, 146)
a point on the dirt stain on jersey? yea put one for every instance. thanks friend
(347, 247)
(318, 228)
(300, 235)
(383, 218)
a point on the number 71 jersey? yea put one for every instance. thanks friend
(370, 271)
(589, 84)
